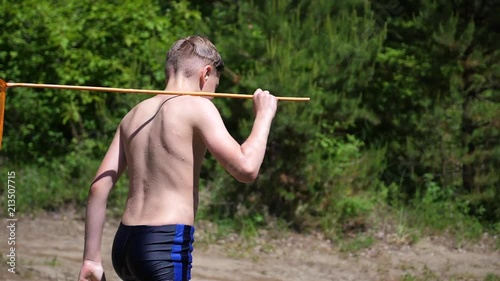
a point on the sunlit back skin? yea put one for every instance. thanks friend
(165, 160)
(162, 143)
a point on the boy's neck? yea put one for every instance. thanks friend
(183, 84)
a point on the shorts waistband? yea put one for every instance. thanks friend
(165, 227)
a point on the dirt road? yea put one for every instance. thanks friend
(49, 247)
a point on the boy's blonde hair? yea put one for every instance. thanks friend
(186, 49)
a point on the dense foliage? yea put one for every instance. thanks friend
(404, 112)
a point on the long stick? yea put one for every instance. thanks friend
(4, 86)
(138, 91)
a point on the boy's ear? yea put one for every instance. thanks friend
(207, 70)
(205, 73)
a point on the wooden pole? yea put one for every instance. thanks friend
(4, 86)
(138, 91)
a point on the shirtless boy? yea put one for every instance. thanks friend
(162, 141)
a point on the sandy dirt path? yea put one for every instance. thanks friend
(49, 247)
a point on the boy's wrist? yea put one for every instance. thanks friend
(93, 258)
(265, 115)
(92, 261)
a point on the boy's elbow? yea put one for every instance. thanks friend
(243, 171)
(94, 189)
(248, 174)
(247, 178)
(100, 187)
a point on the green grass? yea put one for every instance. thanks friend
(360, 242)
(436, 211)
(430, 276)
(492, 277)
(62, 183)
(53, 262)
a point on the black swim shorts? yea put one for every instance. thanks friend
(153, 253)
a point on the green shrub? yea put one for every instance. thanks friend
(437, 209)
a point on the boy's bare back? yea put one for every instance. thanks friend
(164, 158)
(164, 140)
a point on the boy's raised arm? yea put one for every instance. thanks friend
(241, 161)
